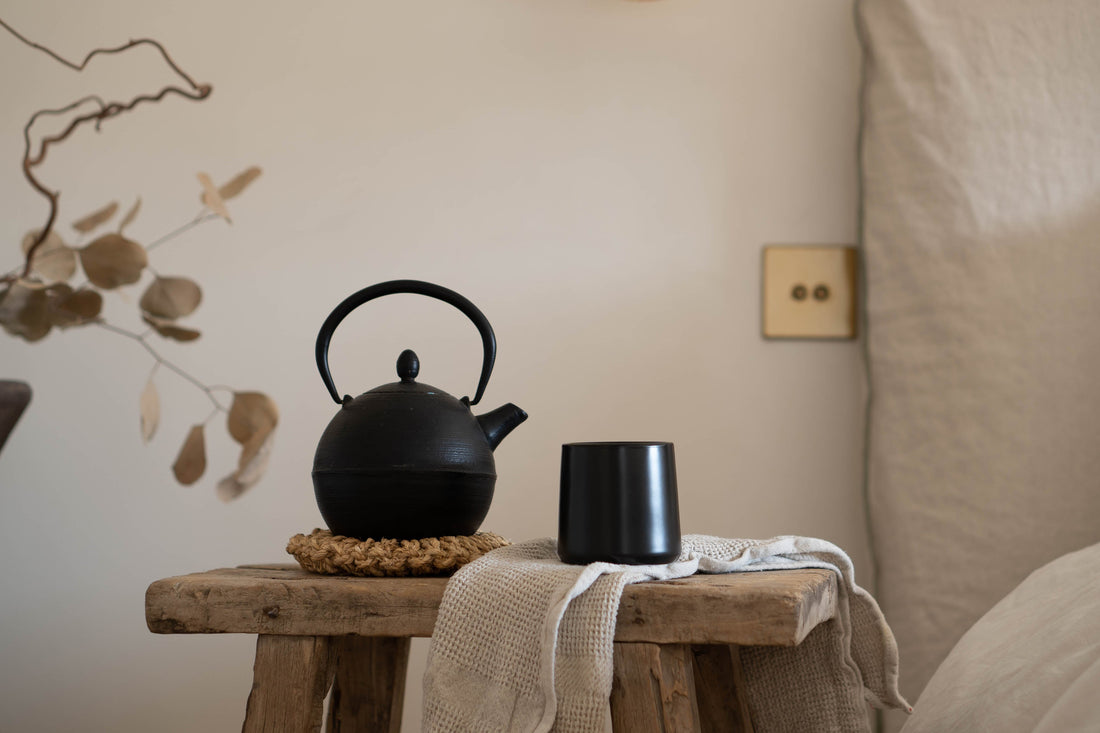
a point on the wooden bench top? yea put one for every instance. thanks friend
(767, 608)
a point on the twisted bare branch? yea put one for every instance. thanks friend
(196, 92)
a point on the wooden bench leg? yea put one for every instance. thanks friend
(291, 676)
(720, 689)
(653, 688)
(369, 690)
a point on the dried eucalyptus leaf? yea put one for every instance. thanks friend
(130, 215)
(239, 183)
(25, 312)
(212, 199)
(168, 329)
(191, 462)
(112, 260)
(251, 413)
(94, 219)
(54, 261)
(150, 410)
(171, 297)
(74, 308)
(251, 467)
(230, 487)
(255, 456)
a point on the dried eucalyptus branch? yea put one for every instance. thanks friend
(203, 216)
(197, 92)
(36, 296)
(142, 339)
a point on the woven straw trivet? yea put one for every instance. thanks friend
(323, 552)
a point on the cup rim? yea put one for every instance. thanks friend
(617, 444)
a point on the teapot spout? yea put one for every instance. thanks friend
(501, 421)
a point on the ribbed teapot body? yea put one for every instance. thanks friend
(403, 461)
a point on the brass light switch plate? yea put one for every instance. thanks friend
(810, 292)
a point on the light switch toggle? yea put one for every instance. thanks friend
(810, 292)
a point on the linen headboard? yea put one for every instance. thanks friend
(980, 170)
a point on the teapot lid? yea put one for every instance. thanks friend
(408, 367)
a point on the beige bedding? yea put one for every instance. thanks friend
(1031, 664)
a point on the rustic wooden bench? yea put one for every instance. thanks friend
(676, 661)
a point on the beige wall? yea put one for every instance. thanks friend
(597, 176)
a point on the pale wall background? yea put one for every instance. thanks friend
(598, 176)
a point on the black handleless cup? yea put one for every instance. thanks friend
(618, 503)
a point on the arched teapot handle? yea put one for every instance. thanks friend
(416, 287)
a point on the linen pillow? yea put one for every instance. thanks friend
(1031, 664)
(980, 168)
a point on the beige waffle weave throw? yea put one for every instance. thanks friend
(523, 642)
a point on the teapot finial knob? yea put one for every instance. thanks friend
(408, 365)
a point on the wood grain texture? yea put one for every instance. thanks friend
(653, 688)
(778, 607)
(291, 677)
(720, 689)
(288, 600)
(369, 688)
(765, 608)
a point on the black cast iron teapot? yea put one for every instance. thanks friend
(407, 460)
